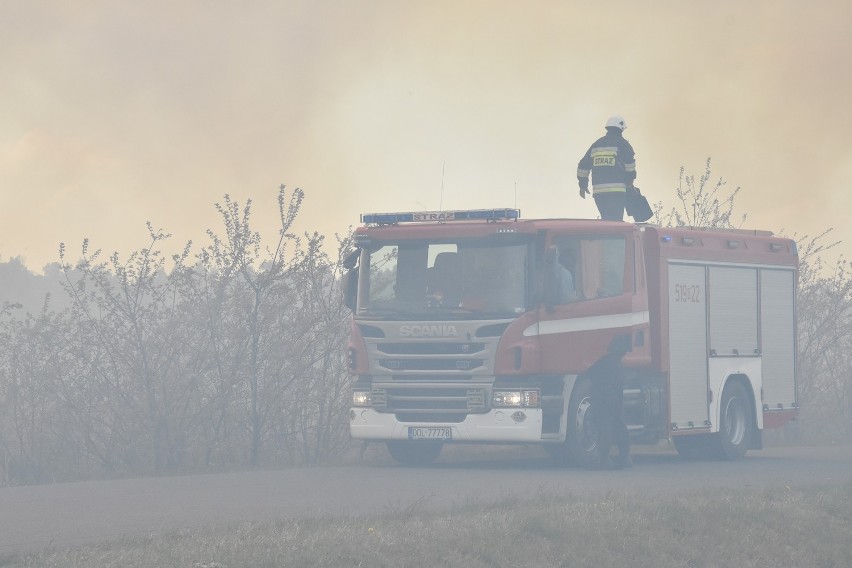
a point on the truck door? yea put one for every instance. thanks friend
(778, 337)
(591, 300)
(688, 351)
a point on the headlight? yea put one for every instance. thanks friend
(361, 398)
(529, 398)
(507, 398)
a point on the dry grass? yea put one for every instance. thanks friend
(791, 527)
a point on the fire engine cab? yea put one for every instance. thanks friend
(479, 326)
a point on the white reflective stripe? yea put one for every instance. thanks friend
(587, 324)
(609, 187)
(583, 173)
(605, 150)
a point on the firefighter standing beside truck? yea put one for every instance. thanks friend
(611, 163)
(608, 398)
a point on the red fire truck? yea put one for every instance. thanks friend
(479, 326)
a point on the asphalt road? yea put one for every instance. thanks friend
(35, 518)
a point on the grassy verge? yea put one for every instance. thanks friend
(779, 527)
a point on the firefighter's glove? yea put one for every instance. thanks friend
(583, 192)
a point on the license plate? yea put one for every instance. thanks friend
(430, 433)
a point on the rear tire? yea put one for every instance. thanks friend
(414, 454)
(736, 423)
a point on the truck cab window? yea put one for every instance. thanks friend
(589, 267)
(434, 279)
(443, 282)
(383, 274)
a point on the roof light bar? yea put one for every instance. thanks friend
(438, 216)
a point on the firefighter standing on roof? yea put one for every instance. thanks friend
(612, 165)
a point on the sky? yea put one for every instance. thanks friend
(114, 114)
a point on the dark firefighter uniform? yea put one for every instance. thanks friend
(612, 165)
(607, 404)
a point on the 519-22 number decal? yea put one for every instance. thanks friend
(690, 293)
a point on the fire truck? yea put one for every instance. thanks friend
(481, 327)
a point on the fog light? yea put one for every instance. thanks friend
(531, 398)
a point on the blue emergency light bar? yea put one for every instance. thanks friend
(439, 216)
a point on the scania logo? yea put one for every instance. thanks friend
(428, 331)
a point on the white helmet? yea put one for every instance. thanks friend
(617, 122)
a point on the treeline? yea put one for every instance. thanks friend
(824, 357)
(225, 357)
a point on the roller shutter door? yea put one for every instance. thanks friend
(688, 346)
(778, 342)
(733, 311)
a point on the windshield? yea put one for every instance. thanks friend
(484, 277)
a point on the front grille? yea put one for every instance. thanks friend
(431, 364)
(430, 348)
(438, 356)
(430, 402)
(421, 378)
(432, 379)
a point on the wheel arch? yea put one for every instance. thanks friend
(569, 382)
(743, 379)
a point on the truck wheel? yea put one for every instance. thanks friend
(414, 454)
(736, 424)
(582, 436)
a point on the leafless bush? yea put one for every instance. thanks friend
(700, 203)
(825, 339)
(233, 357)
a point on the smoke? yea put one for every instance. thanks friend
(118, 114)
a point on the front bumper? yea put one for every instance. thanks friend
(497, 425)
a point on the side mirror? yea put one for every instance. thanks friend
(351, 259)
(350, 288)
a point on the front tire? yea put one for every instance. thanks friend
(736, 423)
(582, 436)
(414, 454)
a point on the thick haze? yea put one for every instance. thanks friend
(116, 113)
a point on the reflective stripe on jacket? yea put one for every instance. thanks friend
(611, 163)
